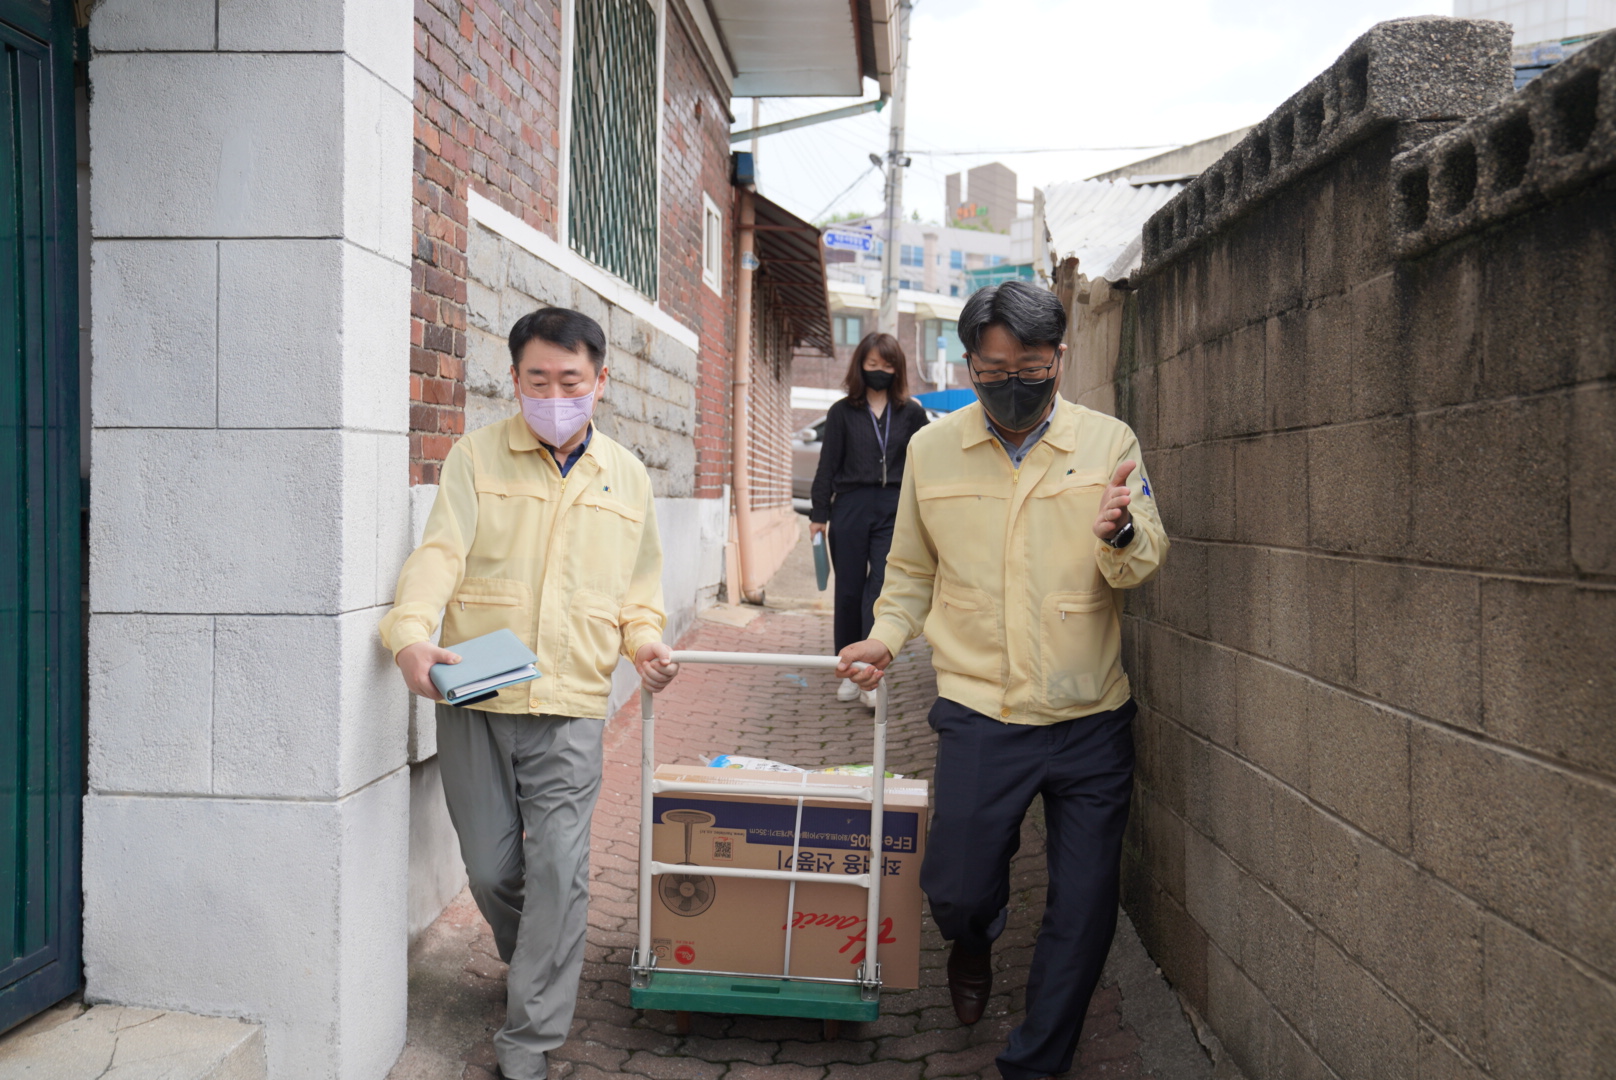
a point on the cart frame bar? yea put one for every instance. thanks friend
(869, 976)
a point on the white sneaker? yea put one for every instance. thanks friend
(847, 691)
(868, 698)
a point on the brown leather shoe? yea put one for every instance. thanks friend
(970, 981)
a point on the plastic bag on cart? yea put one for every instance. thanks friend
(739, 761)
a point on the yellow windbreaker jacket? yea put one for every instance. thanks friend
(572, 565)
(1001, 569)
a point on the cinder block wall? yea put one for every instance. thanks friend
(1375, 826)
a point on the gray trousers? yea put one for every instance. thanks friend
(521, 791)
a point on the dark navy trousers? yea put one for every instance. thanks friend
(861, 523)
(987, 775)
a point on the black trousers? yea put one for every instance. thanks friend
(987, 775)
(860, 537)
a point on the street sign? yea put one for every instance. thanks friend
(850, 240)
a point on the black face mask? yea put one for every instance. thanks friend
(1016, 405)
(878, 380)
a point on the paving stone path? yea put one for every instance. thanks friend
(457, 981)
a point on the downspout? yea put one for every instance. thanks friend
(740, 444)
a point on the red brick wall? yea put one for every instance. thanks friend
(487, 95)
(487, 92)
(695, 159)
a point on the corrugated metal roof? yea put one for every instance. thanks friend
(1100, 221)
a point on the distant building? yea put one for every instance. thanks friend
(1537, 22)
(931, 258)
(987, 198)
(1175, 165)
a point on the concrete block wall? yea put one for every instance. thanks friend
(1375, 825)
(246, 826)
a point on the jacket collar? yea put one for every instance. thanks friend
(519, 437)
(1062, 433)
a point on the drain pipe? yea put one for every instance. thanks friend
(741, 442)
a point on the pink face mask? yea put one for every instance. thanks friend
(555, 420)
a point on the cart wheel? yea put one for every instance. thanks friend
(833, 1030)
(681, 1022)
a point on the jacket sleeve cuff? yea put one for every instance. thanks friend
(636, 638)
(403, 634)
(890, 633)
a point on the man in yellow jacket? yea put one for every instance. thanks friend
(545, 527)
(1021, 519)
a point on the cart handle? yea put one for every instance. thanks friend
(871, 971)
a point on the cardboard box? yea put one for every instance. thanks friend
(739, 924)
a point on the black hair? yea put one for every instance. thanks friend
(559, 326)
(1031, 315)
(887, 348)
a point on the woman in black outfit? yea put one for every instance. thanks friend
(856, 487)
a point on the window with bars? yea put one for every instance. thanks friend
(849, 329)
(612, 169)
(912, 255)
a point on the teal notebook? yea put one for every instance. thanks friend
(821, 561)
(487, 665)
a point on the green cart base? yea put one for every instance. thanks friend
(679, 992)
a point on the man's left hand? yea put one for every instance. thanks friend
(1114, 506)
(655, 664)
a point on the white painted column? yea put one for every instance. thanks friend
(246, 828)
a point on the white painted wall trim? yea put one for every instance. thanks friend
(614, 290)
(564, 164)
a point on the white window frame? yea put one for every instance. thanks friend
(712, 244)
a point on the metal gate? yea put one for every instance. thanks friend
(41, 643)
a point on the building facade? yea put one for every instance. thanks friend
(304, 230)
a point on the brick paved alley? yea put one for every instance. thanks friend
(1134, 1030)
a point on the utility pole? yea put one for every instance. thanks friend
(887, 321)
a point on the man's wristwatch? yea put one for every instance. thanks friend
(1123, 538)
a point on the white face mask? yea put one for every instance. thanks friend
(555, 420)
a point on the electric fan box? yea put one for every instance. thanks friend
(739, 924)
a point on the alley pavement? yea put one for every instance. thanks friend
(1134, 1029)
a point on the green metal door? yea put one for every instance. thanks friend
(41, 647)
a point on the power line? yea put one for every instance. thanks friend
(1047, 150)
(856, 181)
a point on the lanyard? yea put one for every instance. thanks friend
(882, 437)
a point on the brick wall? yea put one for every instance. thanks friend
(487, 120)
(1375, 823)
(487, 92)
(696, 160)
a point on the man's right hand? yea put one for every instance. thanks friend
(816, 528)
(869, 652)
(416, 661)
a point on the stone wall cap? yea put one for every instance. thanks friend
(1554, 137)
(1426, 68)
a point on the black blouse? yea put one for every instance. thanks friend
(850, 452)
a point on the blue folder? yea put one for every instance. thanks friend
(487, 665)
(821, 561)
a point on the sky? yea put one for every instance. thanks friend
(1052, 75)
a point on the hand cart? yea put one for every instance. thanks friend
(685, 991)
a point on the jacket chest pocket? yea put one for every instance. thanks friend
(603, 533)
(1061, 513)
